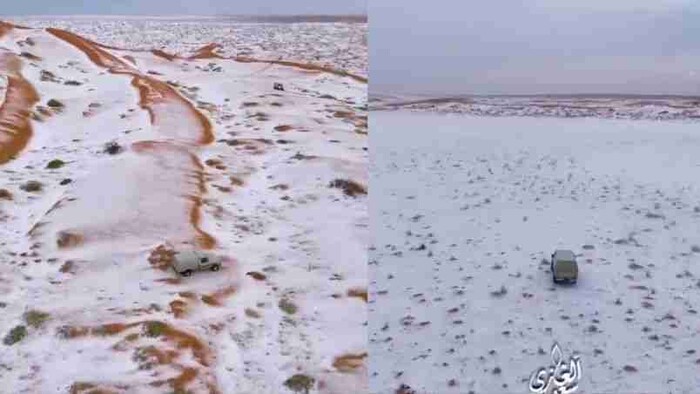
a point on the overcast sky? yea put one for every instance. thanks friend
(180, 7)
(535, 46)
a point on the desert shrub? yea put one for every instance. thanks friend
(46, 76)
(36, 318)
(288, 306)
(283, 127)
(154, 329)
(300, 383)
(53, 103)
(5, 194)
(32, 186)
(55, 163)
(112, 148)
(256, 275)
(359, 293)
(67, 239)
(500, 292)
(350, 188)
(15, 335)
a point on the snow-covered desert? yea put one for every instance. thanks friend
(123, 141)
(465, 213)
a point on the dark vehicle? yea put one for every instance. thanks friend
(564, 266)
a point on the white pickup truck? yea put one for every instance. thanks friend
(187, 262)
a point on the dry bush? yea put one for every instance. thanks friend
(178, 308)
(300, 383)
(349, 362)
(288, 306)
(55, 104)
(35, 318)
(283, 127)
(350, 188)
(67, 239)
(359, 293)
(15, 335)
(55, 163)
(112, 148)
(161, 257)
(256, 275)
(32, 186)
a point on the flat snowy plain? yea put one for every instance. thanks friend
(464, 212)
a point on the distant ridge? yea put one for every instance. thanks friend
(298, 18)
(580, 96)
(233, 18)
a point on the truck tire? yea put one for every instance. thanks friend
(186, 273)
(215, 267)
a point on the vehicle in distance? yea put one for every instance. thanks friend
(564, 266)
(186, 262)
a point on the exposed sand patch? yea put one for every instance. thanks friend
(15, 112)
(170, 352)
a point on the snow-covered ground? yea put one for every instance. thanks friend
(210, 157)
(464, 212)
(342, 45)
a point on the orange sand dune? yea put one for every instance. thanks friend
(151, 90)
(163, 54)
(207, 52)
(159, 99)
(5, 28)
(15, 126)
(303, 66)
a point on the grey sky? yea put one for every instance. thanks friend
(180, 7)
(535, 46)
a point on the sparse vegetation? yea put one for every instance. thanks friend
(67, 239)
(500, 292)
(359, 293)
(287, 306)
(300, 383)
(32, 186)
(154, 328)
(15, 335)
(257, 275)
(55, 104)
(55, 163)
(112, 148)
(67, 267)
(349, 362)
(283, 127)
(35, 318)
(350, 188)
